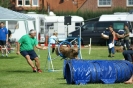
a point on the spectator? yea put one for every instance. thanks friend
(9, 35)
(53, 41)
(3, 38)
(111, 40)
(128, 54)
(26, 45)
(8, 45)
(126, 38)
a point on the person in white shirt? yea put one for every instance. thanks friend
(53, 41)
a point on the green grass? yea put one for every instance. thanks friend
(16, 73)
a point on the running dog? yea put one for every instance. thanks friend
(119, 49)
(68, 52)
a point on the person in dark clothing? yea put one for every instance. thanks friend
(128, 55)
(9, 35)
(8, 45)
(111, 41)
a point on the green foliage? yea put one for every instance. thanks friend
(37, 10)
(88, 14)
(5, 3)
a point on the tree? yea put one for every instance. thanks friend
(5, 3)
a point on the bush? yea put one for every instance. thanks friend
(5, 3)
(91, 14)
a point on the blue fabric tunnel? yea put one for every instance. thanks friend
(97, 71)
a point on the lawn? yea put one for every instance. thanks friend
(16, 73)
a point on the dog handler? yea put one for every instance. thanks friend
(111, 40)
(25, 47)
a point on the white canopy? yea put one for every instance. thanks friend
(6, 14)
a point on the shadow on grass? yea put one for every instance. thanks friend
(19, 71)
(60, 78)
(65, 84)
(9, 57)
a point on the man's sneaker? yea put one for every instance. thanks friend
(6, 55)
(34, 69)
(39, 70)
(109, 55)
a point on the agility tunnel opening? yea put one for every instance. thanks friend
(97, 71)
(68, 74)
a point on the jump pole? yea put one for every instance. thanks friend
(79, 40)
(90, 47)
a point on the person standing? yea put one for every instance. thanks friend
(126, 38)
(53, 41)
(8, 45)
(25, 47)
(110, 41)
(3, 38)
(9, 35)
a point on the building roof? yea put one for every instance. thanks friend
(6, 14)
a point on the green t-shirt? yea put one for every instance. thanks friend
(27, 43)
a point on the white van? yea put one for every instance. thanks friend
(56, 24)
(47, 24)
(44, 25)
(120, 16)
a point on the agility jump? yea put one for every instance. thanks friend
(65, 50)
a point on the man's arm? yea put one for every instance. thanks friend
(18, 48)
(113, 37)
(6, 37)
(39, 47)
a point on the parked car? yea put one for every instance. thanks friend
(94, 29)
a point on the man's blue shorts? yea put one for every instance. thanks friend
(31, 53)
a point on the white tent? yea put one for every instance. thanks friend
(6, 14)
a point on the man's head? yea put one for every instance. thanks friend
(2, 24)
(111, 28)
(125, 26)
(32, 33)
(55, 33)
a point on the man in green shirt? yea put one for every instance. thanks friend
(25, 47)
(126, 38)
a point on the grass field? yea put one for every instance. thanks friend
(16, 73)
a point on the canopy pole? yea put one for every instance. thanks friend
(26, 26)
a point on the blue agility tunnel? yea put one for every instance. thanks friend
(97, 71)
